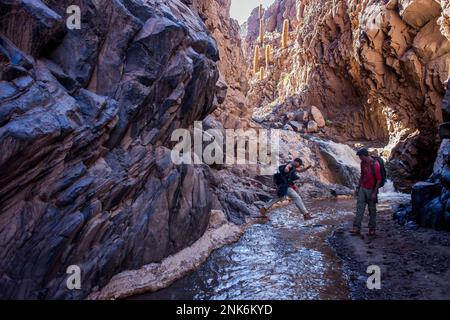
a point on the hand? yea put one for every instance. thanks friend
(374, 196)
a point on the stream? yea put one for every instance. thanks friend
(283, 258)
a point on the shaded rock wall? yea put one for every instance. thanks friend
(430, 205)
(85, 122)
(376, 70)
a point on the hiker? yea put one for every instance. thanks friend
(284, 179)
(367, 191)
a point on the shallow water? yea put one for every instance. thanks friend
(282, 258)
(285, 258)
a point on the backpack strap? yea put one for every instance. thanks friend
(373, 169)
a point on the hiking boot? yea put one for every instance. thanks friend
(355, 231)
(307, 216)
(372, 233)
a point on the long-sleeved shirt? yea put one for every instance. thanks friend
(368, 179)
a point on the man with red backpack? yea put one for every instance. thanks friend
(373, 177)
(284, 179)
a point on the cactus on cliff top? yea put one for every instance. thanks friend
(285, 34)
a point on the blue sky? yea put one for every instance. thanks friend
(241, 9)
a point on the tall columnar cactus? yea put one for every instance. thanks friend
(285, 34)
(261, 73)
(261, 32)
(268, 51)
(261, 24)
(256, 60)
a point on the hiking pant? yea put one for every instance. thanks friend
(364, 198)
(291, 193)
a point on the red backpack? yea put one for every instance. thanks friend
(382, 170)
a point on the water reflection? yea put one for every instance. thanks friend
(286, 258)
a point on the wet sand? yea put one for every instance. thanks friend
(415, 264)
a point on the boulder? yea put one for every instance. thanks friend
(433, 215)
(318, 117)
(403, 214)
(297, 126)
(417, 13)
(302, 116)
(442, 158)
(290, 116)
(422, 194)
(341, 191)
(312, 127)
(405, 165)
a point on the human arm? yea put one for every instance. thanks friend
(295, 175)
(359, 184)
(378, 179)
(301, 170)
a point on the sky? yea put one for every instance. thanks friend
(241, 9)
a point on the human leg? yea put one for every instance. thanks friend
(298, 202)
(360, 208)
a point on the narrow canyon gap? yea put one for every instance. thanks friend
(86, 118)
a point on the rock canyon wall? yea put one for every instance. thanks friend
(86, 118)
(234, 112)
(375, 69)
(430, 205)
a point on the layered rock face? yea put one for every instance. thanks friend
(85, 123)
(375, 69)
(234, 112)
